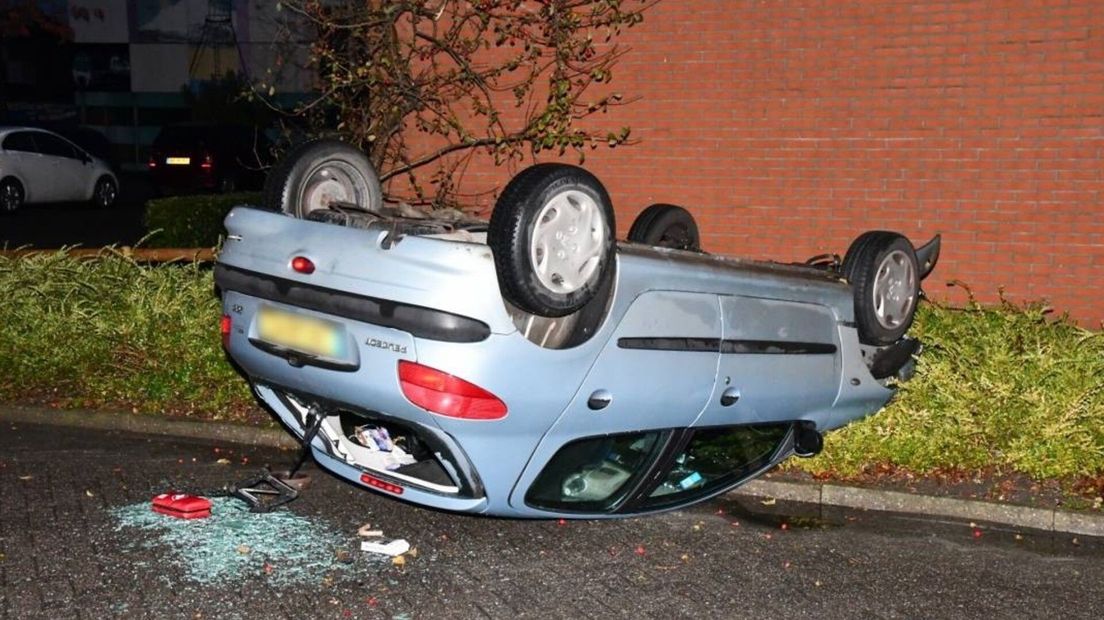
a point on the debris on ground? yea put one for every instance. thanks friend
(391, 548)
(286, 547)
(182, 505)
(367, 532)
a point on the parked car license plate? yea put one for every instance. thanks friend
(178, 161)
(301, 333)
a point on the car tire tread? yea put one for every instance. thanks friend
(509, 230)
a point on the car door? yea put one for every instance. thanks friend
(656, 372)
(69, 172)
(779, 361)
(22, 154)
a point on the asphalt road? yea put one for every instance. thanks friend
(66, 551)
(65, 224)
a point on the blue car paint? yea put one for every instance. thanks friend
(657, 293)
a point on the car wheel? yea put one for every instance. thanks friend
(321, 173)
(105, 194)
(11, 196)
(881, 267)
(666, 226)
(552, 236)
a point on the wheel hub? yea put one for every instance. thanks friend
(894, 290)
(10, 197)
(331, 183)
(567, 241)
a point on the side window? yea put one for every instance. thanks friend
(594, 474)
(716, 457)
(52, 145)
(20, 141)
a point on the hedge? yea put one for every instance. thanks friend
(191, 221)
(1004, 388)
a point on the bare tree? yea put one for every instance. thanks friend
(421, 85)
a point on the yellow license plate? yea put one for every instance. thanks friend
(178, 161)
(301, 333)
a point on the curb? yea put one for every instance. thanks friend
(820, 495)
(875, 500)
(214, 431)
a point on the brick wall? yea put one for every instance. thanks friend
(789, 127)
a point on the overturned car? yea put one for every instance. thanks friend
(531, 365)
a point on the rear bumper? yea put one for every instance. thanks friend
(419, 321)
(471, 500)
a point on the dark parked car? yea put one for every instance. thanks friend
(196, 157)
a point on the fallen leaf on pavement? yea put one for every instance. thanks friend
(223, 461)
(399, 561)
(770, 501)
(244, 549)
(28, 477)
(89, 493)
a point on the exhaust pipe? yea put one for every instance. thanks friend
(808, 442)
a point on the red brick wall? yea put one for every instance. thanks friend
(789, 127)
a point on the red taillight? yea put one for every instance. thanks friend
(376, 483)
(208, 162)
(302, 264)
(152, 162)
(447, 395)
(224, 329)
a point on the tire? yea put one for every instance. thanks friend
(666, 226)
(11, 196)
(548, 264)
(881, 267)
(319, 172)
(105, 193)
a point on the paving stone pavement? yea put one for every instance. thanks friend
(62, 556)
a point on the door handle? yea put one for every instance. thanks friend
(600, 399)
(729, 397)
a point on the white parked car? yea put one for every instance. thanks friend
(40, 166)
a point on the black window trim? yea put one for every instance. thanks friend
(638, 501)
(28, 133)
(672, 441)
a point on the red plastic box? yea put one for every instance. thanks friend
(182, 506)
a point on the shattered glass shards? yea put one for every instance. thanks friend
(234, 544)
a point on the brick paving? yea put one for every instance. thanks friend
(61, 555)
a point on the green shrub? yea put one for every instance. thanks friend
(110, 332)
(191, 221)
(999, 387)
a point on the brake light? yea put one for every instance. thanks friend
(152, 162)
(208, 162)
(444, 394)
(303, 265)
(376, 483)
(224, 329)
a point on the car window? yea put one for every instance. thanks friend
(594, 474)
(49, 144)
(22, 141)
(716, 457)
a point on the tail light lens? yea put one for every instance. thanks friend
(447, 395)
(152, 163)
(208, 162)
(224, 329)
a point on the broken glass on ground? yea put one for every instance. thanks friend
(234, 544)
